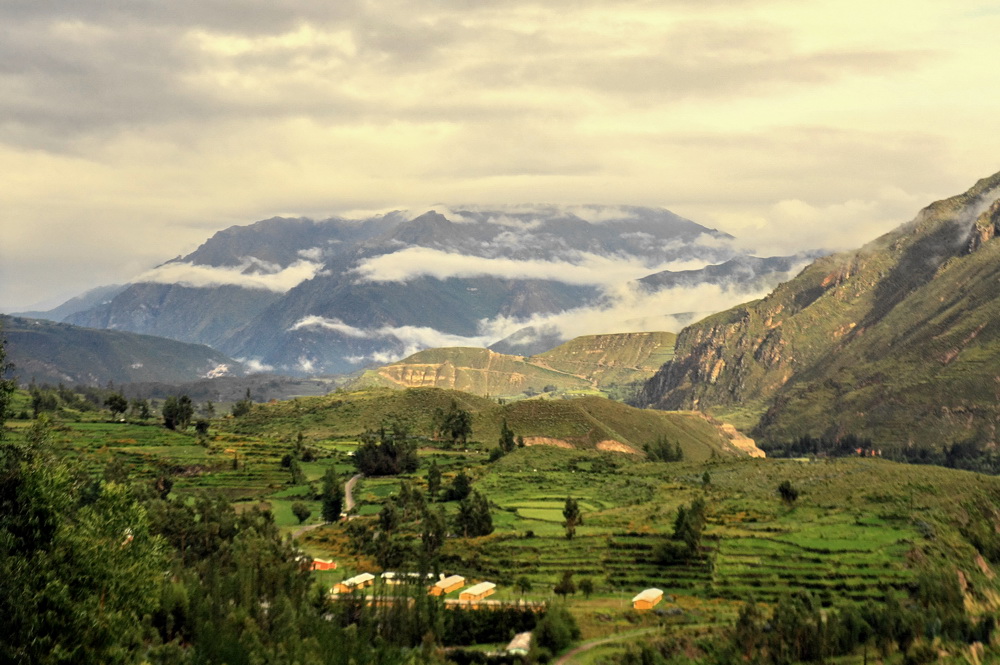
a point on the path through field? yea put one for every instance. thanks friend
(348, 504)
(570, 656)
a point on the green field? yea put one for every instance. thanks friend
(860, 531)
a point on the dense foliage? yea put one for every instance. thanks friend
(387, 452)
(970, 455)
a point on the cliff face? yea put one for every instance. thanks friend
(857, 342)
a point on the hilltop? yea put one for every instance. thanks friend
(47, 352)
(898, 341)
(587, 423)
(590, 363)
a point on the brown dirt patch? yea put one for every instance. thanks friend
(610, 445)
(546, 441)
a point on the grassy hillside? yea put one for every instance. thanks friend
(897, 341)
(47, 352)
(866, 533)
(593, 363)
(582, 423)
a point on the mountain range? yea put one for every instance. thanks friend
(898, 341)
(306, 297)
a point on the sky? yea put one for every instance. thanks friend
(132, 131)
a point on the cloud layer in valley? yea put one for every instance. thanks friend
(252, 274)
(131, 131)
(631, 309)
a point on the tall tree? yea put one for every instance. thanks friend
(573, 517)
(433, 480)
(507, 442)
(116, 404)
(333, 496)
(177, 412)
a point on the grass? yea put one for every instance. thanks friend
(860, 528)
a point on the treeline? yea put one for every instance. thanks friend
(970, 455)
(94, 570)
(797, 629)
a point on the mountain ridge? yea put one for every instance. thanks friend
(893, 341)
(306, 297)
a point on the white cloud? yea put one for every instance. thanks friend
(314, 254)
(409, 339)
(584, 269)
(251, 274)
(255, 366)
(625, 308)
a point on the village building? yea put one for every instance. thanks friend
(520, 645)
(447, 585)
(478, 592)
(395, 579)
(357, 582)
(324, 564)
(647, 599)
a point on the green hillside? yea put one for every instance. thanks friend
(584, 423)
(593, 363)
(906, 553)
(47, 352)
(898, 341)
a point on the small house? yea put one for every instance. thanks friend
(447, 585)
(357, 582)
(520, 645)
(324, 564)
(478, 592)
(647, 599)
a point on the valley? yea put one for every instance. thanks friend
(858, 533)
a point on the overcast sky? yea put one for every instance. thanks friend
(131, 131)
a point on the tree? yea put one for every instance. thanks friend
(461, 485)
(565, 586)
(116, 404)
(177, 412)
(433, 532)
(507, 442)
(433, 480)
(332, 497)
(523, 584)
(301, 511)
(208, 409)
(474, 518)
(706, 479)
(298, 476)
(573, 517)
(457, 425)
(787, 492)
(243, 407)
(140, 408)
(7, 386)
(587, 586)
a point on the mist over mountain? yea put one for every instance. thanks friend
(302, 296)
(898, 340)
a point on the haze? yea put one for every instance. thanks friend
(130, 132)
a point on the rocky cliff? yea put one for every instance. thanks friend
(899, 340)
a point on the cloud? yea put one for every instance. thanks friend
(407, 339)
(625, 308)
(256, 366)
(251, 274)
(585, 268)
(128, 129)
(631, 309)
